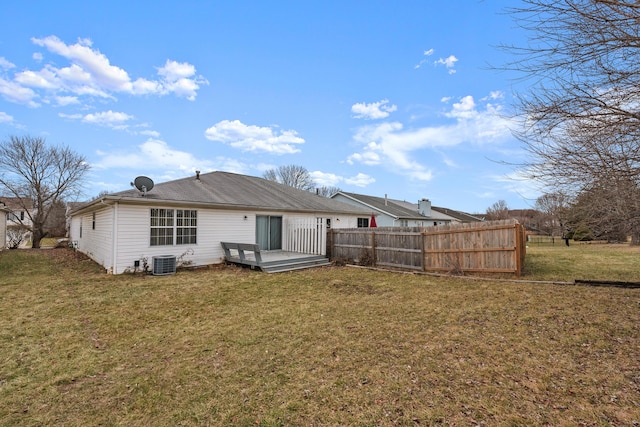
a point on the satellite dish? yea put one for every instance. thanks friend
(143, 183)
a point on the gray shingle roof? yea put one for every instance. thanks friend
(462, 216)
(402, 209)
(389, 206)
(230, 190)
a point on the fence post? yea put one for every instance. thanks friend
(423, 237)
(373, 248)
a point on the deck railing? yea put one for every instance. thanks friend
(304, 235)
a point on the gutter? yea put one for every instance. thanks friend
(111, 200)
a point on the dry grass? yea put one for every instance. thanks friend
(331, 346)
(586, 261)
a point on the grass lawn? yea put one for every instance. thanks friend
(329, 346)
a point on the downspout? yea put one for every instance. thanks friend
(114, 238)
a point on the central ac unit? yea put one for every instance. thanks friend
(165, 264)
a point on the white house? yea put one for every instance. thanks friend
(4, 212)
(398, 213)
(190, 217)
(18, 219)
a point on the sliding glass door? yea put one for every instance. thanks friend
(269, 232)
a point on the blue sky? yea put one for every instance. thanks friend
(374, 97)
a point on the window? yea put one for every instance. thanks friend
(404, 223)
(93, 221)
(15, 217)
(161, 227)
(363, 222)
(186, 223)
(169, 225)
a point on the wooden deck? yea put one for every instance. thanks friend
(270, 261)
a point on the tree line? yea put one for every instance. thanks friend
(579, 116)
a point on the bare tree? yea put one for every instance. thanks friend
(292, 175)
(56, 223)
(580, 116)
(553, 208)
(39, 177)
(605, 214)
(327, 191)
(498, 210)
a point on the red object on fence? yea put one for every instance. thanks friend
(372, 223)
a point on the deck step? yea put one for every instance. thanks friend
(296, 264)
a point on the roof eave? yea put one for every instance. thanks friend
(109, 200)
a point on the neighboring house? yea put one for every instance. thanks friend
(456, 216)
(18, 216)
(190, 217)
(399, 213)
(18, 222)
(4, 212)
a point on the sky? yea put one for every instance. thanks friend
(398, 98)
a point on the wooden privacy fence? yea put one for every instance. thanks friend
(479, 247)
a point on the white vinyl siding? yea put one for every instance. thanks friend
(95, 242)
(129, 227)
(3, 229)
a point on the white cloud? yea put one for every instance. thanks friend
(494, 95)
(173, 71)
(107, 118)
(179, 79)
(151, 133)
(70, 116)
(254, 138)
(159, 160)
(375, 110)
(325, 179)
(14, 92)
(396, 148)
(333, 180)
(5, 118)
(90, 73)
(360, 180)
(448, 62)
(4, 64)
(94, 63)
(66, 100)
(426, 53)
(519, 183)
(466, 108)
(153, 154)
(43, 79)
